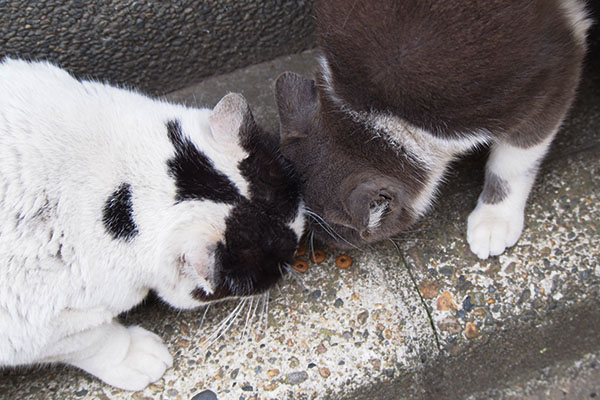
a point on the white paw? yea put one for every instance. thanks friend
(141, 358)
(492, 228)
(146, 361)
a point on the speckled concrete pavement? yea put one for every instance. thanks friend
(417, 318)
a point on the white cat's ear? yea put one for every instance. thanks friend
(229, 117)
(297, 104)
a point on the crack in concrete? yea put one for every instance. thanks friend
(423, 302)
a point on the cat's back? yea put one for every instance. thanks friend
(62, 131)
(451, 65)
(65, 145)
(36, 93)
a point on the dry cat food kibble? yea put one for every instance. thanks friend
(317, 256)
(301, 251)
(300, 266)
(343, 261)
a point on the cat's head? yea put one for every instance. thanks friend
(362, 188)
(244, 213)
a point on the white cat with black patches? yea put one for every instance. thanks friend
(404, 87)
(106, 194)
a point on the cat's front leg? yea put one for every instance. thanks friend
(129, 358)
(497, 221)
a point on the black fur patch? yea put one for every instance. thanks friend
(195, 175)
(251, 258)
(117, 214)
(273, 182)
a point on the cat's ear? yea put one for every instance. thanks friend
(229, 117)
(199, 263)
(370, 201)
(297, 104)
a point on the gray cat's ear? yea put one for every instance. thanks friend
(297, 104)
(228, 118)
(370, 201)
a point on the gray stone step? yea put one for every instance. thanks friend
(156, 46)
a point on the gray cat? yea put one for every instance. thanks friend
(406, 86)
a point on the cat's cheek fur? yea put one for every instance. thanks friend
(191, 233)
(297, 225)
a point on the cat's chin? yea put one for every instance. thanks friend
(233, 290)
(338, 236)
(219, 294)
(345, 237)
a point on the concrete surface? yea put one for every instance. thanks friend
(417, 318)
(576, 380)
(157, 46)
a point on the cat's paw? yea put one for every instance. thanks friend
(146, 361)
(130, 359)
(493, 228)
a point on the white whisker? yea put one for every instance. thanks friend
(328, 228)
(204, 315)
(266, 323)
(262, 313)
(243, 333)
(324, 225)
(234, 318)
(282, 273)
(225, 324)
(283, 293)
(395, 245)
(256, 307)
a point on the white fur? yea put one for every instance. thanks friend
(491, 228)
(430, 152)
(578, 18)
(65, 146)
(376, 214)
(297, 225)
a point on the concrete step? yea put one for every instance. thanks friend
(577, 380)
(419, 317)
(156, 46)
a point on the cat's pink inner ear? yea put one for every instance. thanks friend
(227, 117)
(200, 262)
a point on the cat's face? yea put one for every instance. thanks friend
(363, 189)
(262, 230)
(254, 218)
